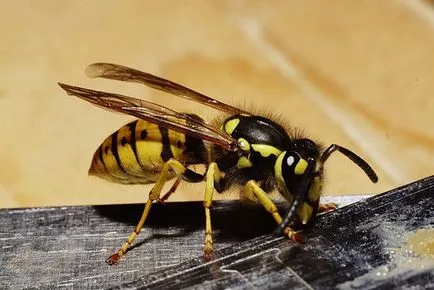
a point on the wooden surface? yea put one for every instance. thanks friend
(385, 241)
(356, 73)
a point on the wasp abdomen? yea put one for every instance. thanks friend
(135, 154)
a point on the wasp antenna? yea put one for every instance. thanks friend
(289, 215)
(353, 157)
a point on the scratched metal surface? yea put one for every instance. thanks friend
(350, 248)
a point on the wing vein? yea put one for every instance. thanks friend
(154, 113)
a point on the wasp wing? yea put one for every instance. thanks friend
(123, 73)
(154, 113)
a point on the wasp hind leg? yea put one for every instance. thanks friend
(254, 192)
(170, 191)
(182, 172)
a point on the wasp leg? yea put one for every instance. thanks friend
(170, 191)
(213, 180)
(182, 172)
(254, 192)
(326, 207)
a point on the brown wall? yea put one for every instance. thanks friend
(356, 73)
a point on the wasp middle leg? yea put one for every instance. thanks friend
(213, 181)
(182, 172)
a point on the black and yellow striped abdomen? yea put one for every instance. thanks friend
(136, 153)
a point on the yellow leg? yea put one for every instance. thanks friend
(254, 192)
(154, 194)
(212, 175)
(170, 191)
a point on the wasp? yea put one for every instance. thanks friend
(242, 149)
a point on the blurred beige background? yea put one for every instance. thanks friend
(356, 73)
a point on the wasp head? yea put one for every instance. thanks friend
(294, 172)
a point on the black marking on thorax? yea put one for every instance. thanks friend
(261, 130)
(255, 130)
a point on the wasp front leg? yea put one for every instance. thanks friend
(254, 192)
(182, 172)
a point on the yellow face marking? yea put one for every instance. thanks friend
(244, 162)
(281, 186)
(278, 167)
(301, 166)
(231, 125)
(244, 144)
(266, 150)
